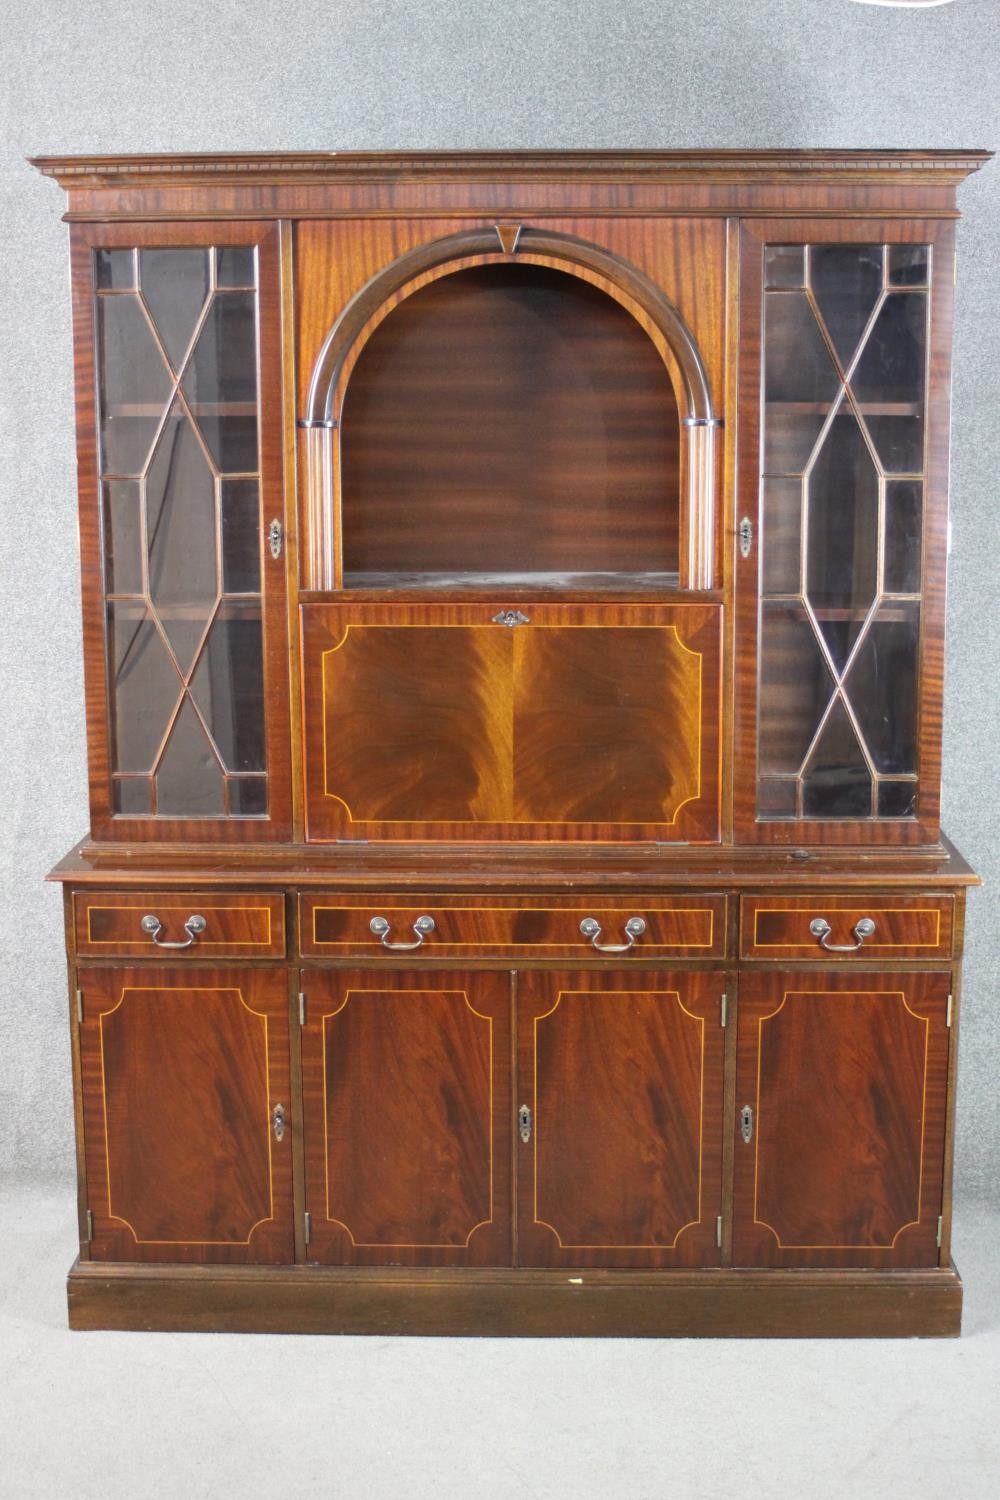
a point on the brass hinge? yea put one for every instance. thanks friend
(79, 1007)
(940, 1229)
(302, 1008)
(947, 1014)
(718, 1231)
(90, 1226)
(306, 1227)
(723, 1008)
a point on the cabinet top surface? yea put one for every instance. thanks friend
(431, 867)
(333, 166)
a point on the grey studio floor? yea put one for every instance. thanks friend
(188, 1415)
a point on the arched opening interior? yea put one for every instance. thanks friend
(510, 423)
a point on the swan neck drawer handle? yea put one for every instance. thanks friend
(634, 928)
(194, 927)
(820, 929)
(423, 927)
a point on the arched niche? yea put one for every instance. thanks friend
(509, 405)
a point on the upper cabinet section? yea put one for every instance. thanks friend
(511, 405)
(595, 497)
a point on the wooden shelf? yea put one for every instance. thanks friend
(866, 408)
(200, 408)
(605, 582)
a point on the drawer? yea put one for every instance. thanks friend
(904, 926)
(542, 926)
(248, 924)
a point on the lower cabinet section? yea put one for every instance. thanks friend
(186, 1094)
(840, 1096)
(406, 1084)
(568, 1128)
(620, 1088)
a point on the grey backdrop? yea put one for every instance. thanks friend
(238, 76)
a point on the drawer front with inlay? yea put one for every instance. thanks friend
(541, 926)
(179, 924)
(844, 926)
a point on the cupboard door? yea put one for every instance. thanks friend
(622, 1074)
(839, 1161)
(187, 1114)
(406, 1081)
(555, 722)
(843, 437)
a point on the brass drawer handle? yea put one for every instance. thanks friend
(423, 927)
(821, 929)
(194, 927)
(634, 928)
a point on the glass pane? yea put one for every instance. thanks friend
(909, 265)
(174, 284)
(903, 525)
(882, 688)
(899, 442)
(795, 688)
(135, 384)
(248, 796)
(115, 269)
(235, 265)
(781, 542)
(189, 782)
(897, 799)
(241, 538)
(847, 283)
(790, 437)
(221, 382)
(842, 553)
(180, 528)
(123, 536)
(228, 687)
(797, 363)
(144, 687)
(784, 266)
(892, 366)
(837, 783)
(132, 796)
(776, 799)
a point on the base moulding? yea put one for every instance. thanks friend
(500, 1303)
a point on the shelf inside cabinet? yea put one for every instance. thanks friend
(486, 579)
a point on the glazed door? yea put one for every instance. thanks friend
(619, 1157)
(187, 1114)
(544, 723)
(181, 520)
(840, 1118)
(843, 432)
(406, 1081)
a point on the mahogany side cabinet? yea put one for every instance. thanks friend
(513, 597)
